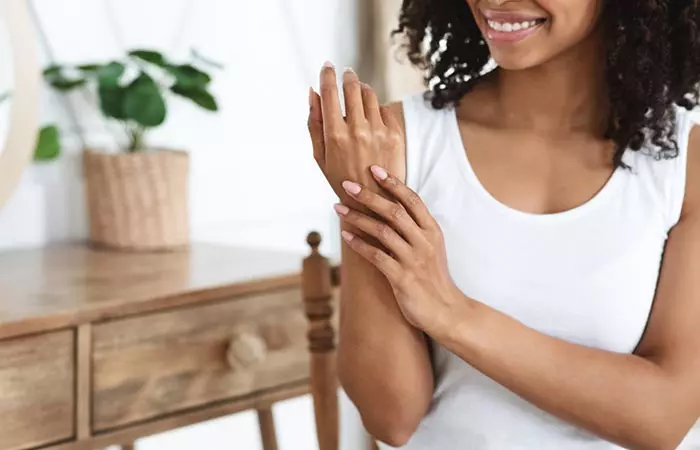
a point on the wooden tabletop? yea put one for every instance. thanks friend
(60, 286)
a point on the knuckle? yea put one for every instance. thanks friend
(328, 88)
(377, 256)
(394, 139)
(337, 137)
(361, 134)
(397, 212)
(383, 230)
(436, 232)
(412, 199)
(381, 134)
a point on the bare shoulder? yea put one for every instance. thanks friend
(691, 206)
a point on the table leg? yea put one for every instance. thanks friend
(267, 429)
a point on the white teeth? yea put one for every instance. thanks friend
(510, 27)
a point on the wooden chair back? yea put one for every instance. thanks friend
(319, 281)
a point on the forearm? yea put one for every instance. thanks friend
(383, 361)
(623, 398)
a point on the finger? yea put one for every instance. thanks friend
(371, 104)
(389, 119)
(379, 259)
(409, 199)
(316, 128)
(393, 213)
(377, 229)
(354, 110)
(330, 104)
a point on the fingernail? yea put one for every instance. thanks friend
(351, 188)
(341, 209)
(347, 235)
(328, 65)
(311, 97)
(349, 74)
(379, 173)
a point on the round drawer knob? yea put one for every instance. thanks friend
(246, 350)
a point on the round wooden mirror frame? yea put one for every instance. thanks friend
(18, 148)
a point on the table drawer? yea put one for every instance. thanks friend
(37, 385)
(149, 366)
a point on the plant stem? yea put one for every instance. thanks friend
(137, 132)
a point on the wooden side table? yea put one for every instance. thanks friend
(101, 348)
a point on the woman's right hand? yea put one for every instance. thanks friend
(345, 148)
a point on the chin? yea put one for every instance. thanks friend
(517, 60)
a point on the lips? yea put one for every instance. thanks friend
(511, 16)
(505, 26)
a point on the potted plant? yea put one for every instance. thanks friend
(137, 198)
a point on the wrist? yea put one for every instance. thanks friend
(460, 323)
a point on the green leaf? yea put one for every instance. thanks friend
(48, 145)
(209, 62)
(109, 74)
(189, 76)
(144, 103)
(89, 67)
(112, 101)
(198, 95)
(150, 56)
(64, 84)
(53, 72)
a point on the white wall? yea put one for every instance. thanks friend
(254, 181)
(253, 178)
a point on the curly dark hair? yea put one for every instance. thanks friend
(652, 62)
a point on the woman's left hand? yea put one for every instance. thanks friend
(417, 266)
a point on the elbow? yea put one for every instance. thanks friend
(393, 431)
(661, 442)
(665, 433)
(667, 439)
(390, 417)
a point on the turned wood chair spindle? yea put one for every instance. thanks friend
(319, 278)
(317, 292)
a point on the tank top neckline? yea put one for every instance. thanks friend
(461, 152)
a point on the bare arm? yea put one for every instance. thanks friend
(648, 400)
(383, 362)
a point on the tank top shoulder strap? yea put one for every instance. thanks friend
(667, 177)
(425, 129)
(677, 176)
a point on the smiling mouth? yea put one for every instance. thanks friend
(514, 26)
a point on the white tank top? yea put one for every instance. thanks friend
(587, 275)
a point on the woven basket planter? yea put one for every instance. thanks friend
(137, 201)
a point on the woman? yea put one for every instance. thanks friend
(534, 284)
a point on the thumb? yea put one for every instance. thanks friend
(316, 127)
